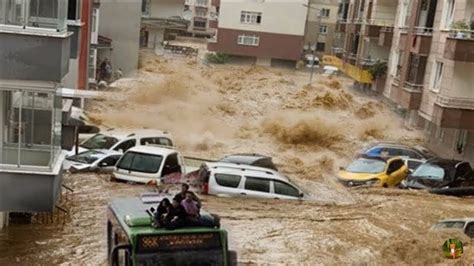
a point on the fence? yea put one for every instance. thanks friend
(360, 75)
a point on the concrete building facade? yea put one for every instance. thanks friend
(431, 72)
(323, 28)
(259, 29)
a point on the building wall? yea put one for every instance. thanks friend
(120, 21)
(166, 8)
(383, 11)
(312, 24)
(275, 16)
(71, 78)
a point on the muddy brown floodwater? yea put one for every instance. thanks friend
(309, 130)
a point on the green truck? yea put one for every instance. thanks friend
(132, 240)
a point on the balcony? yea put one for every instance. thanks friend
(452, 112)
(460, 46)
(407, 96)
(201, 3)
(375, 26)
(419, 41)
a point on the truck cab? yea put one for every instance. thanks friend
(131, 239)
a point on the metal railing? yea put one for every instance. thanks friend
(461, 34)
(380, 22)
(455, 102)
(386, 29)
(423, 31)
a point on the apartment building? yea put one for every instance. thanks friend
(35, 54)
(365, 31)
(431, 72)
(261, 30)
(320, 32)
(198, 12)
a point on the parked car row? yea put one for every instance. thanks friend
(146, 156)
(392, 165)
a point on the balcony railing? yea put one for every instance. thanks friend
(423, 31)
(455, 102)
(462, 34)
(201, 3)
(380, 22)
(386, 29)
(412, 87)
(403, 29)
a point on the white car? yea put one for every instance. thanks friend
(142, 164)
(227, 179)
(465, 225)
(330, 70)
(122, 140)
(92, 160)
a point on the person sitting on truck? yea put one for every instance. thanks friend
(176, 216)
(193, 217)
(182, 195)
(162, 211)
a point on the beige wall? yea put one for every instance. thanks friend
(283, 17)
(384, 11)
(166, 8)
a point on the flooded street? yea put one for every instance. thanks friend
(310, 131)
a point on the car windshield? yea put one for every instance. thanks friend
(140, 162)
(429, 171)
(99, 141)
(87, 157)
(366, 166)
(450, 224)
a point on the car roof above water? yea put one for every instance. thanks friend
(141, 133)
(240, 169)
(153, 150)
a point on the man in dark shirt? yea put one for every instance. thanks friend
(182, 195)
(176, 217)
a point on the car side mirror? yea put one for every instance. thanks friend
(301, 195)
(103, 164)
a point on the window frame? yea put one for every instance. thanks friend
(116, 148)
(437, 76)
(216, 178)
(243, 37)
(259, 179)
(250, 17)
(325, 31)
(325, 12)
(286, 184)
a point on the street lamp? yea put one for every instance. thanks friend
(316, 39)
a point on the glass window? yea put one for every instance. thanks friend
(109, 161)
(366, 166)
(156, 141)
(413, 164)
(99, 141)
(429, 171)
(325, 12)
(323, 29)
(74, 10)
(285, 189)
(395, 166)
(320, 46)
(257, 184)
(250, 17)
(87, 157)
(126, 145)
(140, 162)
(226, 180)
(453, 224)
(251, 40)
(171, 165)
(437, 76)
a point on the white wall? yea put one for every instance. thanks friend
(166, 8)
(71, 78)
(284, 17)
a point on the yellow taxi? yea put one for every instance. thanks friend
(374, 171)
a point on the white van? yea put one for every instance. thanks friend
(142, 164)
(122, 140)
(246, 181)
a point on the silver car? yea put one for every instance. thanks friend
(92, 160)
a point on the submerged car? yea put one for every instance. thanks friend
(252, 159)
(393, 150)
(441, 174)
(465, 225)
(93, 160)
(374, 171)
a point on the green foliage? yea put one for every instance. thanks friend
(378, 70)
(217, 58)
(460, 25)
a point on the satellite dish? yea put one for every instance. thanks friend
(188, 15)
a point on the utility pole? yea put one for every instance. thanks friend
(315, 41)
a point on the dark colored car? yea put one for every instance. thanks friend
(441, 176)
(392, 150)
(252, 159)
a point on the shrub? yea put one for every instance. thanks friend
(217, 58)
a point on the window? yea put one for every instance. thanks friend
(156, 141)
(320, 46)
(395, 166)
(251, 40)
(171, 165)
(109, 161)
(250, 17)
(285, 189)
(99, 141)
(463, 170)
(145, 7)
(323, 29)
(448, 12)
(438, 74)
(199, 24)
(225, 180)
(140, 162)
(74, 10)
(201, 12)
(413, 164)
(440, 134)
(453, 224)
(325, 12)
(201, 2)
(410, 154)
(257, 184)
(461, 141)
(126, 145)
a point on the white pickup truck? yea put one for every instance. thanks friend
(142, 164)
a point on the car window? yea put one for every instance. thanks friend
(126, 145)
(171, 165)
(429, 171)
(364, 165)
(452, 224)
(470, 230)
(156, 141)
(463, 169)
(285, 189)
(109, 161)
(413, 164)
(87, 157)
(394, 152)
(226, 180)
(394, 166)
(99, 141)
(410, 154)
(257, 184)
(140, 162)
